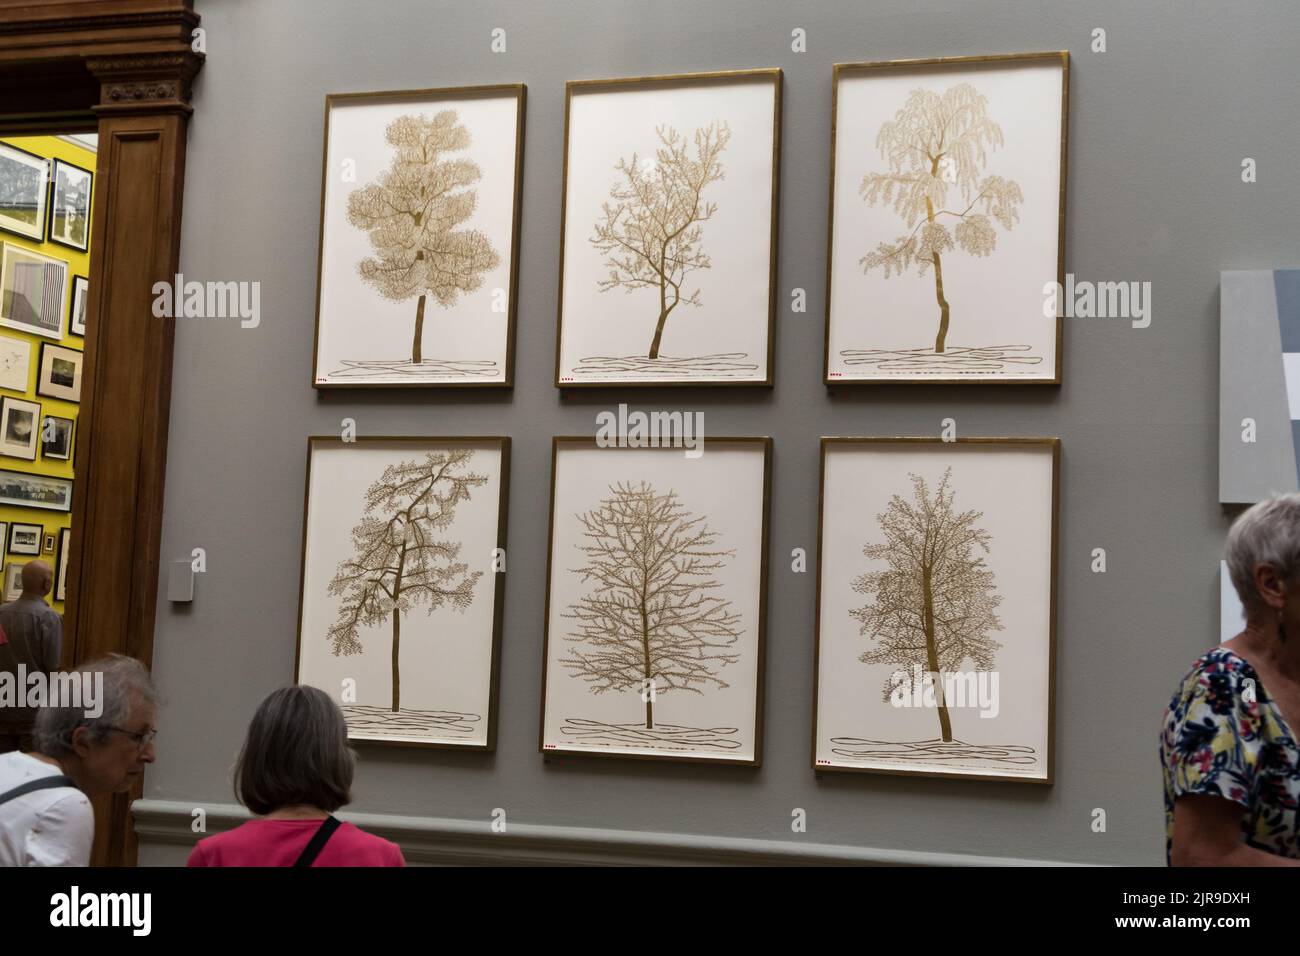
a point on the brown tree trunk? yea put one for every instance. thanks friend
(664, 309)
(932, 656)
(417, 350)
(645, 656)
(397, 628)
(938, 272)
(943, 305)
(659, 334)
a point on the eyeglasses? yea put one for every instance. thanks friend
(142, 740)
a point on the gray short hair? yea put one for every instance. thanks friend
(296, 752)
(126, 683)
(1266, 533)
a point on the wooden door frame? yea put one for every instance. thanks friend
(124, 69)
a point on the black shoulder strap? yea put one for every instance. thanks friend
(318, 841)
(40, 783)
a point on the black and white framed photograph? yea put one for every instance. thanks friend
(19, 427)
(77, 311)
(23, 176)
(32, 290)
(49, 544)
(56, 438)
(25, 490)
(70, 205)
(61, 575)
(13, 582)
(60, 372)
(25, 538)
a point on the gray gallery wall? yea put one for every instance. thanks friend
(1159, 125)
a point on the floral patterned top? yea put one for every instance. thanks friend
(1225, 737)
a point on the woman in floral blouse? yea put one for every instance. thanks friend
(1230, 758)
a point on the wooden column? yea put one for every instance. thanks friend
(126, 386)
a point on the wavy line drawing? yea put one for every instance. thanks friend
(957, 359)
(932, 751)
(382, 721)
(417, 371)
(662, 736)
(718, 365)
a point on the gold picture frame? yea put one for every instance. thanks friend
(497, 583)
(762, 443)
(709, 371)
(520, 92)
(1050, 446)
(981, 359)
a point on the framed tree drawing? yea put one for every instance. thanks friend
(403, 585)
(419, 241)
(936, 601)
(668, 230)
(946, 234)
(655, 601)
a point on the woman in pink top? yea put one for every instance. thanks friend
(295, 770)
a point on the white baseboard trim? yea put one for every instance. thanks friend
(437, 840)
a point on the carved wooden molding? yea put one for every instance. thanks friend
(105, 21)
(157, 83)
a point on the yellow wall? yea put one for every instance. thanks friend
(78, 265)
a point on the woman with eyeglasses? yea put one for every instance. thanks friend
(294, 771)
(84, 748)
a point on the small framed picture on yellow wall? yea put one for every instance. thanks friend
(77, 311)
(19, 428)
(60, 373)
(32, 291)
(61, 577)
(15, 363)
(13, 582)
(70, 205)
(56, 438)
(25, 538)
(23, 179)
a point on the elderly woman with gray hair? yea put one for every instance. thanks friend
(97, 744)
(1230, 757)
